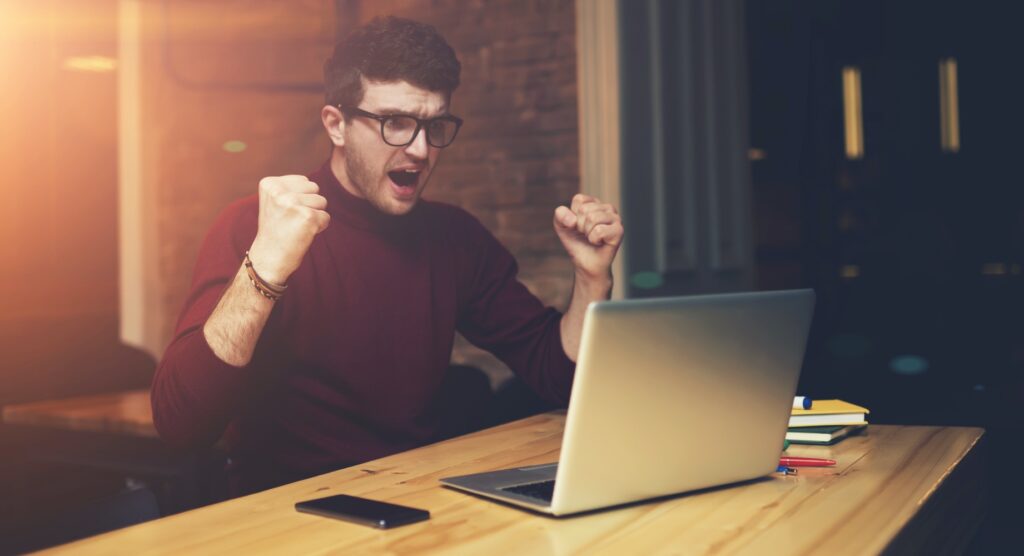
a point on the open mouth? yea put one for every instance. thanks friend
(404, 178)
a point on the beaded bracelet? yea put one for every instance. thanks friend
(272, 292)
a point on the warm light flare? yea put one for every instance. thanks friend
(97, 64)
(853, 116)
(234, 146)
(949, 106)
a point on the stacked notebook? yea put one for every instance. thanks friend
(826, 422)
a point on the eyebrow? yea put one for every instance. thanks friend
(399, 112)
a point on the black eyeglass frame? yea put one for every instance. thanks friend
(419, 124)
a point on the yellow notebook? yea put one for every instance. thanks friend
(828, 412)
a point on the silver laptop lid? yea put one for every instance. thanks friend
(677, 394)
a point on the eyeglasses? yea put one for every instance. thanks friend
(401, 130)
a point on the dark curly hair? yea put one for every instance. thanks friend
(390, 49)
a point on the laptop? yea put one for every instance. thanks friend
(670, 395)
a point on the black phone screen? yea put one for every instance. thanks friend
(363, 511)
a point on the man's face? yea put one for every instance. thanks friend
(390, 178)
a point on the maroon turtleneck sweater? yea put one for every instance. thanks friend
(349, 365)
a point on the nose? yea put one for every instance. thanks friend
(419, 148)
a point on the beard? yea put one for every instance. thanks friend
(373, 184)
(359, 174)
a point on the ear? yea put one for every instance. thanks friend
(334, 123)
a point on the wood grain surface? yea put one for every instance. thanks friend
(119, 413)
(882, 482)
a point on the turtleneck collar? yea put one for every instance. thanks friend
(353, 211)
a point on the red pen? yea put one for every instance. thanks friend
(805, 462)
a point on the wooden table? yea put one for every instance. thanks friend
(897, 488)
(127, 413)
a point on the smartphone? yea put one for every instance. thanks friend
(381, 515)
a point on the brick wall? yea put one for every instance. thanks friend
(515, 159)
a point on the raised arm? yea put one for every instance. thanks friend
(205, 375)
(291, 214)
(591, 232)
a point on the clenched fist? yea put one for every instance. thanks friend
(591, 231)
(291, 214)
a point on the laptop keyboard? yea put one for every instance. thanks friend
(543, 490)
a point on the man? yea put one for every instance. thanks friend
(323, 310)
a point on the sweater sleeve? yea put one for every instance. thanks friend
(194, 393)
(499, 314)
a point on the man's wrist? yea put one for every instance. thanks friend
(267, 289)
(593, 287)
(263, 266)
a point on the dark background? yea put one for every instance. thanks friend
(930, 331)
